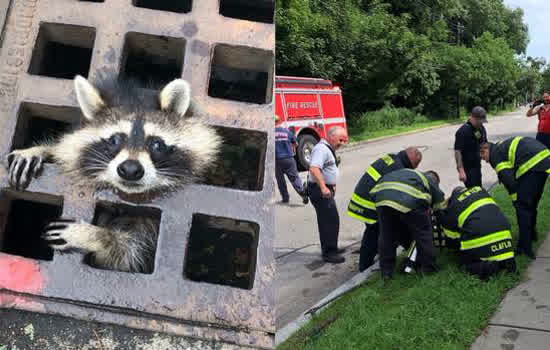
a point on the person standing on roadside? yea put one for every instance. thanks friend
(468, 138)
(285, 164)
(542, 109)
(323, 173)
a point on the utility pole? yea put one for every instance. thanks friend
(459, 29)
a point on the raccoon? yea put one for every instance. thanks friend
(130, 142)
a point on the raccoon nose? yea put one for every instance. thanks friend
(130, 170)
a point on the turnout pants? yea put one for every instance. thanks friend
(328, 220)
(400, 228)
(473, 177)
(530, 188)
(369, 246)
(484, 269)
(287, 166)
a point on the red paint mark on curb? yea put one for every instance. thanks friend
(20, 274)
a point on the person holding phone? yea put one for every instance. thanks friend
(323, 174)
(542, 109)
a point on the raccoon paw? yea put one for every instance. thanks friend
(65, 234)
(23, 165)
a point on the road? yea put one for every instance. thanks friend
(302, 277)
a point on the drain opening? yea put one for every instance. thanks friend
(222, 251)
(152, 60)
(252, 10)
(38, 122)
(142, 223)
(21, 235)
(241, 74)
(62, 51)
(179, 6)
(242, 160)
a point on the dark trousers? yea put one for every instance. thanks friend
(544, 138)
(530, 188)
(484, 269)
(397, 228)
(369, 246)
(287, 166)
(473, 176)
(328, 220)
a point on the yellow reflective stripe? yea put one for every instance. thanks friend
(483, 241)
(514, 197)
(503, 165)
(411, 248)
(451, 234)
(358, 217)
(512, 150)
(475, 205)
(393, 205)
(511, 162)
(363, 202)
(500, 257)
(373, 173)
(532, 162)
(421, 176)
(401, 187)
(548, 171)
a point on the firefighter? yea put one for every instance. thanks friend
(522, 165)
(361, 206)
(473, 220)
(404, 199)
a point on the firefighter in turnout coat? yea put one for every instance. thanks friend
(522, 165)
(361, 205)
(475, 222)
(404, 199)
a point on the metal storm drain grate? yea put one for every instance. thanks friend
(213, 269)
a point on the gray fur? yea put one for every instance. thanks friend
(158, 133)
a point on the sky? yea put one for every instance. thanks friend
(536, 13)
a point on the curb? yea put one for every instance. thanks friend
(291, 328)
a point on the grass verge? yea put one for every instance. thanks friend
(447, 310)
(393, 121)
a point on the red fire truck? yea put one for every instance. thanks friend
(308, 108)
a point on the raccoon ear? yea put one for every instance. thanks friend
(88, 97)
(176, 97)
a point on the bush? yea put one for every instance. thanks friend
(385, 118)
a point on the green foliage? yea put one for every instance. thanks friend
(410, 53)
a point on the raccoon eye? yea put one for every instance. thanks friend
(115, 140)
(158, 146)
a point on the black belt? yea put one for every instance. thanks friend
(329, 186)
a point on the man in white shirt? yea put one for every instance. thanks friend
(323, 172)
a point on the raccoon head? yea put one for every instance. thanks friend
(138, 145)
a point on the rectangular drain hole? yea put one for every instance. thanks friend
(222, 251)
(242, 74)
(179, 6)
(21, 236)
(143, 223)
(62, 51)
(152, 60)
(252, 10)
(242, 160)
(38, 122)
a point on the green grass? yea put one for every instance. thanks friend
(446, 310)
(392, 121)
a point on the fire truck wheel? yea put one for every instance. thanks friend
(305, 146)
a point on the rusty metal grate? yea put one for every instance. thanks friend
(229, 61)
